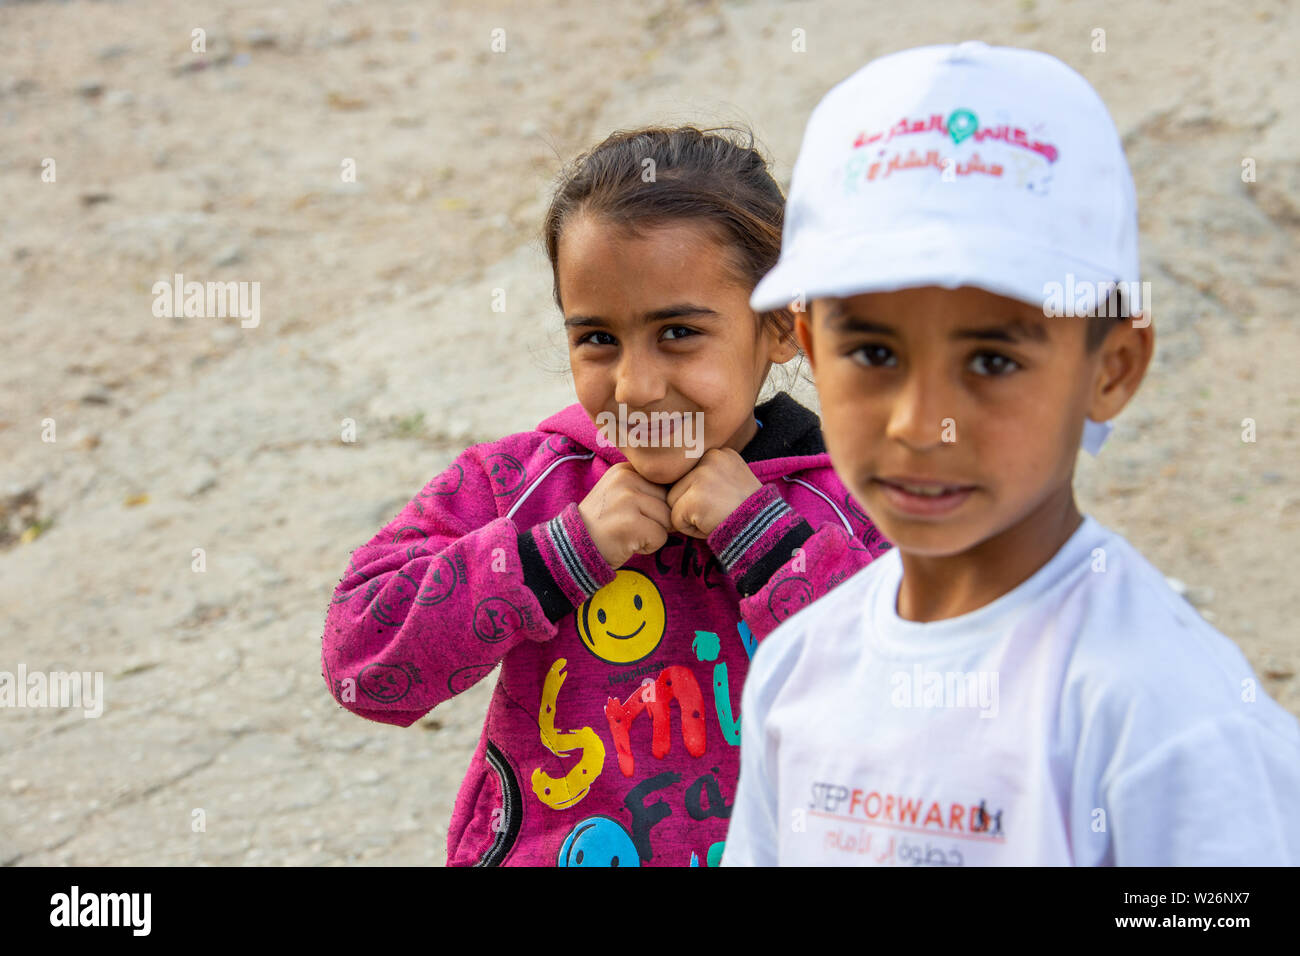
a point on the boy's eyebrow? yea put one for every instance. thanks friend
(840, 322)
(658, 315)
(1015, 330)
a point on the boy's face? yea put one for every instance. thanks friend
(952, 415)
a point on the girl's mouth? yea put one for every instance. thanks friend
(923, 497)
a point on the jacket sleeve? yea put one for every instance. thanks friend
(433, 602)
(779, 562)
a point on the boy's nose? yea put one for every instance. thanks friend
(920, 409)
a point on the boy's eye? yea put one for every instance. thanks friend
(591, 337)
(993, 364)
(679, 328)
(875, 355)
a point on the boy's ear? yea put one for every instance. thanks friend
(803, 332)
(1125, 355)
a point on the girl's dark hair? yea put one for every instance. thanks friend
(697, 175)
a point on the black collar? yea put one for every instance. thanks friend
(789, 430)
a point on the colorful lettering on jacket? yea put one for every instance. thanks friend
(706, 646)
(674, 683)
(646, 815)
(562, 793)
(696, 560)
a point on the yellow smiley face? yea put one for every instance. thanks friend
(624, 621)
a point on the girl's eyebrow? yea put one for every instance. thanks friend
(658, 315)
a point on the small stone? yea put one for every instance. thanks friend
(706, 28)
(368, 776)
(229, 257)
(1270, 477)
(19, 785)
(1180, 588)
(96, 396)
(200, 479)
(90, 89)
(262, 39)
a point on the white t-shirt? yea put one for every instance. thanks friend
(1088, 717)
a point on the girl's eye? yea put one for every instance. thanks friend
(680, 328)
(993, 364)
(875, 355)
(591, 337)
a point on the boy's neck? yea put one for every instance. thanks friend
(934, 589)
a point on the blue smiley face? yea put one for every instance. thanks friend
(598, 841)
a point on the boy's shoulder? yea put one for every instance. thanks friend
(834, 619)
(1142, 657)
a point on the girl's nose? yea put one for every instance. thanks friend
(639, 383)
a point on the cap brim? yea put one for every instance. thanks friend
(989, 259)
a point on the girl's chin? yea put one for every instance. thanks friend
(661, 466)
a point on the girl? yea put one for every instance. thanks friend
(615, 572)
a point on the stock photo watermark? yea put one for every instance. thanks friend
(945, 689)
(654, 430)
(56, 689)
(1076, 298)
(176, 298)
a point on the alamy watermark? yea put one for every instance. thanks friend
(923, 688)
(653, 430)
(55, 689)
(1084, 299)
(176, 298)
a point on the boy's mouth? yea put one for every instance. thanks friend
(923, 496)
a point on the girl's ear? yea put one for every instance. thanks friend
(783, 345)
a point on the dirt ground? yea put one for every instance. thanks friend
(176, 434)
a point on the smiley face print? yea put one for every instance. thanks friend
(625, 620)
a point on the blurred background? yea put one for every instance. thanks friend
(126, 158)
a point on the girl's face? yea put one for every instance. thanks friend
(655, 324)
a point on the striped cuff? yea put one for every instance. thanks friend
(757, 538)
(561, 564)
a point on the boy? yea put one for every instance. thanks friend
(1013, 683)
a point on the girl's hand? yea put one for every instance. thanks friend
(625, 515)
(706, 495)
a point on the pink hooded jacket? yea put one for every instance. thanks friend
(491, 564)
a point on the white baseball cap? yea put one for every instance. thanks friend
(958, 165)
